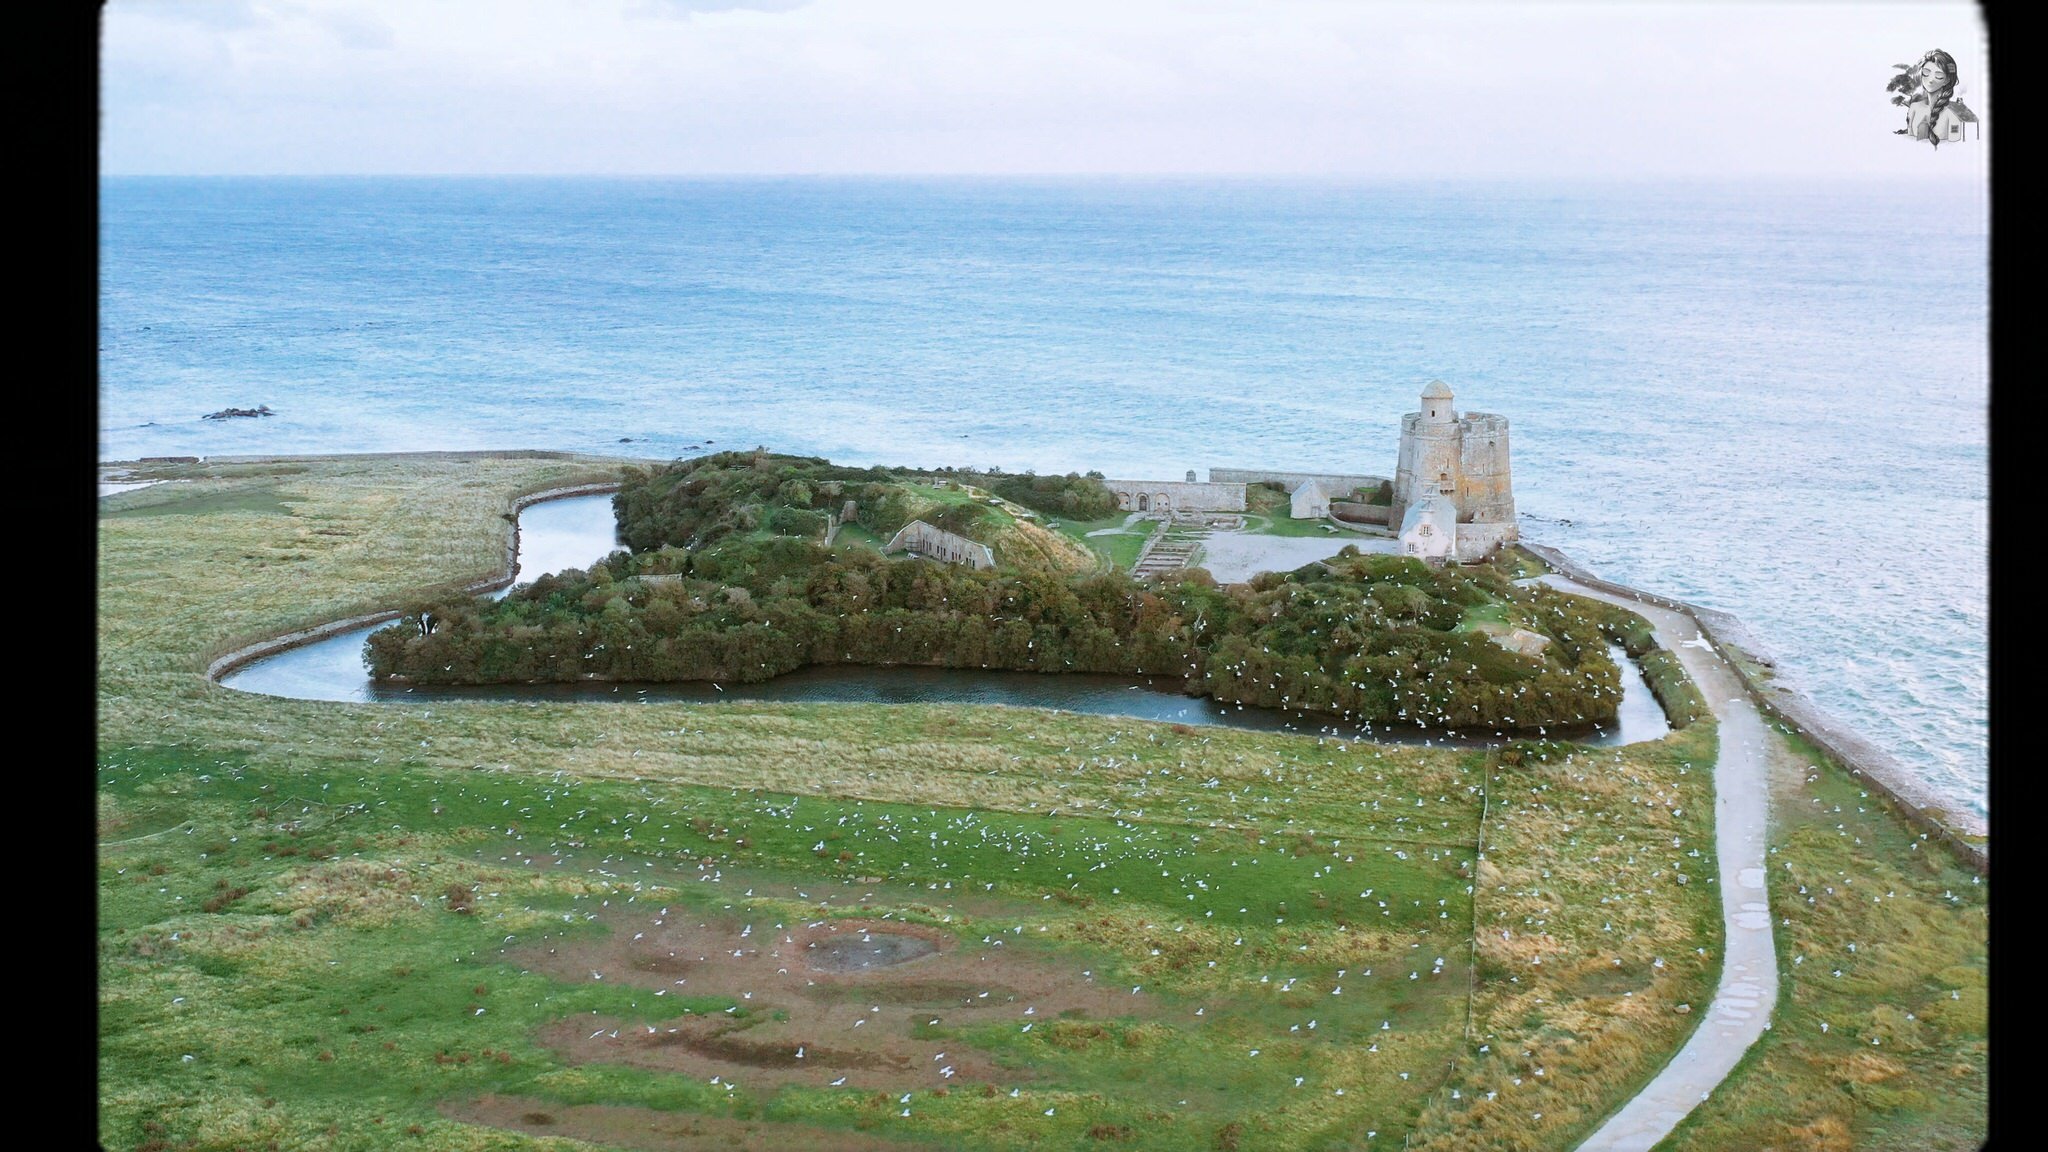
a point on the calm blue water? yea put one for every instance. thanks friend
(1766, 398)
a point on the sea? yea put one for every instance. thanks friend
(1766, 397)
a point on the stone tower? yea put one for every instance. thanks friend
(1463, 459)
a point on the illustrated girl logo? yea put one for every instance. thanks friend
(1927, 91)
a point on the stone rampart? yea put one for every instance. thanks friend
(1176, 496)
(1485, 484)
(1477, 541)
(1337, 484)
(1865, 760)
(1356, 513)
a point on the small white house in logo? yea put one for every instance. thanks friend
(1949, 125)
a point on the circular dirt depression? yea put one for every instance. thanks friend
(858, 948)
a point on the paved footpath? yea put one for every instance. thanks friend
(1749, 971)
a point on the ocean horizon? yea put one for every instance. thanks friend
(1765, 397)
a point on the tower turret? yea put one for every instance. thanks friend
(1436, 404)
(1431, 447)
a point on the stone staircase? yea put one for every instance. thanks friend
(1169, 549)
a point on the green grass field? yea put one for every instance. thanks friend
(1280, 523)
(299, 943)
(305, 909)
(1267, 513)
(857, 534)
(1881, 1039)
(1485, 616)
(1120, 548)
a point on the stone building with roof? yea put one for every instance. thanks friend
(1950, 124)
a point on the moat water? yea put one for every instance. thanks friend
(1717, 390)
(570, 533)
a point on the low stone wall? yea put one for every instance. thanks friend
(443, 454)
(1358, 513)
(1477, 541)
(1179, 495)
(1336, 483)
(1864, 760)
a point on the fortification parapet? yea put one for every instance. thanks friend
(1173, 497)
(1337, 483)
(1486, 493)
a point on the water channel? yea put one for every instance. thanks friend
(573, 532)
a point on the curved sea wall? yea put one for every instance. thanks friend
(1870, 763)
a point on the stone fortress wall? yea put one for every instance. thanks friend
(1337, 484)
(1327, 497)
(1471, 452)
(1452, 473)
(1478, 541)
(1171, 497)
(922, 539)
(1486, 489)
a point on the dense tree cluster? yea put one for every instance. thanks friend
(692, 503)
(696, 502)
(1073, 496)
(1371, 638)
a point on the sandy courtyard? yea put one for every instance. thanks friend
(1234, 557)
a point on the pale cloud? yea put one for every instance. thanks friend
(693, 7)
(222, 14)
(914, 86)
(356, 28)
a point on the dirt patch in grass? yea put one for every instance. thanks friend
(801, 1019)
(860, 949)
(656, 1131)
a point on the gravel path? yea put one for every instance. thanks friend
(1749, 973)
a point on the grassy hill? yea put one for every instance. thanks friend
(371, 926)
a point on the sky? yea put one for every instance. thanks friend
(1011, 87)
